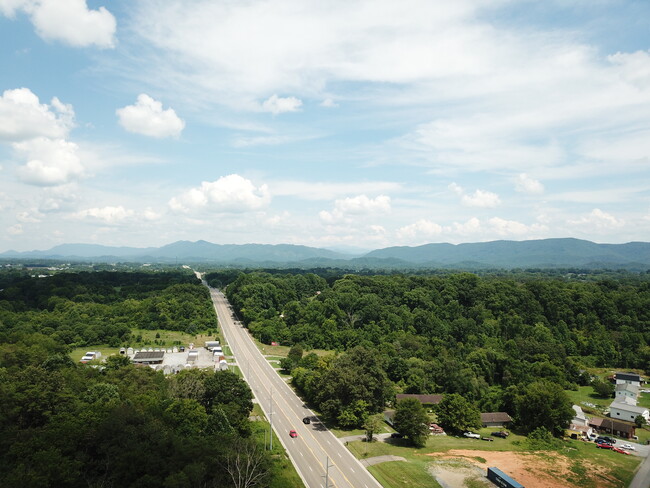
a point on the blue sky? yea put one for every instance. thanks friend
(331, 124)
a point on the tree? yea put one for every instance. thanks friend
(247, 464)
(372, 425)
(412, 420)
(603, 389)
(458, 414)
(640, 421)
(543, 404)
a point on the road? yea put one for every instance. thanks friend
(315, 445)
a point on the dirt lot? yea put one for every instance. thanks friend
(549, 470)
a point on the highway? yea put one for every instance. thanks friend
(319, 457)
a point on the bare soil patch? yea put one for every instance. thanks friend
(533, 470)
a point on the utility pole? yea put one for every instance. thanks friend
(327, 471)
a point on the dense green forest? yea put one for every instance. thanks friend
(495, 340)
(63, 424)
(103, 307)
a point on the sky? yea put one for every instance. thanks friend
(340, 124)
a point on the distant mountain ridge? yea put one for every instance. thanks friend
(543, 253)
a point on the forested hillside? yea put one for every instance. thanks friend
(490, 339)
(102, 307)
(63, 424)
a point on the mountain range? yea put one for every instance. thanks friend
(543, 253)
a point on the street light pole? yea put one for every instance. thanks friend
(271, 421)
(327, 471)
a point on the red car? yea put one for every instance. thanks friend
(293, 433)
(616, 449)
(604, 445)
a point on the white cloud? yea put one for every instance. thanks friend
(278, 105)
(49, 161)
(329, 103)
(599, 220)
(479, 198)
(422, 229)
(147, 117)
(633, 67)
(230, 194)
(526, 184)
(506, 228)
(23, 117)
(106, 215)
(309, 190)
(151, 215)
(15, 230)
(68, 21)
(29, 217)
(345, 208)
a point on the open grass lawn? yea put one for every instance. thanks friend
(644, 400)
(581, 456)
(77, 353)
(403, 475)
(587, 394)
(279, 352)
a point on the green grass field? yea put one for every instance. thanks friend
(580, 455)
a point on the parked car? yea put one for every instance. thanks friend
(606, 439)
(396, 435)
(603, 445)
(501, 434)
(472, 435)
(489, 439)
(619, 450)
(306, 420)
(629, 447)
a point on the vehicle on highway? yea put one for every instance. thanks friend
(629, 447)
(472, 435)
(603, 445)
(501, 434)
(293, 433)
(306, 420)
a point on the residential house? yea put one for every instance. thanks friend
(424, 399)
(579, 418)
(495, 419)
(626, 390)
(628, 410)
(628, 378)
(627, 430)
(579, 431)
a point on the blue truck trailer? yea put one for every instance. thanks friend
(502, 480)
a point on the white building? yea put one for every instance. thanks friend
(625, 410)
(579, 418)
(628, 378)
(626, 390)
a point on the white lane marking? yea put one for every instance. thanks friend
(352, 470)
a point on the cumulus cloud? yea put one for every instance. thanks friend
(106, 215)
(329, 103)
(599, 220)
(422, 229)
(230, 194)
(503, 227)
(23, 117)
(354, 206)
(68, 21)
(15, 230)
(148, 118)
(278, 105)
(479, 198)
(49, 161)
(526, 184)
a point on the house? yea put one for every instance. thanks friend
(579, 418)
(628, 378)
(579, 431)
(627, 430)
(495, 419)
(625, 410)
(626, 390)
(424, 399)
(148, 357)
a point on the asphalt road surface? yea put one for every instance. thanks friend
(315, 447)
